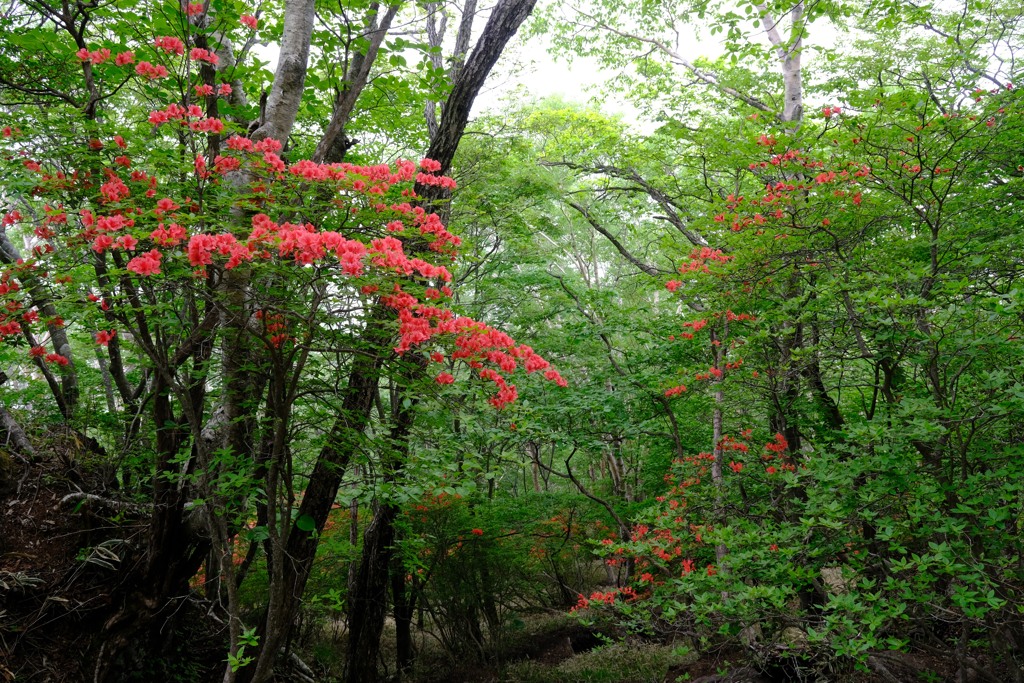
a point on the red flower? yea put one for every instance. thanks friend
(170, 44)
(37, 352)
(147, 264)
(103, 337)
(150, 71)
(249, 20)
(200, 54)
(101, 243)
(165, 204)
(56, 358)
(444, 378)
(477, 532)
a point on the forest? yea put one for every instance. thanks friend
(322, 361)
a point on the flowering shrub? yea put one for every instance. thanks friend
(142, 239)
(835, 313)
(212, 270)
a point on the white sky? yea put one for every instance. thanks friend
(545, 75)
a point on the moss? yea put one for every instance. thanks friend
(616, 663)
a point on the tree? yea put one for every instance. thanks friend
(790, 313)
(223, 436)
(801, 216)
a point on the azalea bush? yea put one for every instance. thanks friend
(879, 511)
(221, 285)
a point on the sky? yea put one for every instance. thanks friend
(544, 74)
(532, 68)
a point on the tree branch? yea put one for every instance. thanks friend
(356, 77)
(645, 267)
(703, 76)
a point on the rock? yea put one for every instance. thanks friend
(834, 580)
(751, 635)
(793, 638)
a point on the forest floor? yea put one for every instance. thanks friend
(48, 593)
(64, 534)
(558, 648)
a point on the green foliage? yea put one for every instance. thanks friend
(811, 439)
(474, 563)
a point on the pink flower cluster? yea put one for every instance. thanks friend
(170, 236)
(151, 71)
(147, 264)
(176, 112)
(198, 54)
(128, 231)
(475, 343)
(170, 44)
(95, 56)
(206, 89)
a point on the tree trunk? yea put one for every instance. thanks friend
(368, 596)
(329, 149)
(368, 599)
(405, 606)
(505, 19)
(173, 554)
(342, 442)
(290, 78)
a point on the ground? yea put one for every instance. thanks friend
(66, 535)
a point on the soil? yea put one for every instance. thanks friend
(55, 586)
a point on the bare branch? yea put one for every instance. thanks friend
(645, 267)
